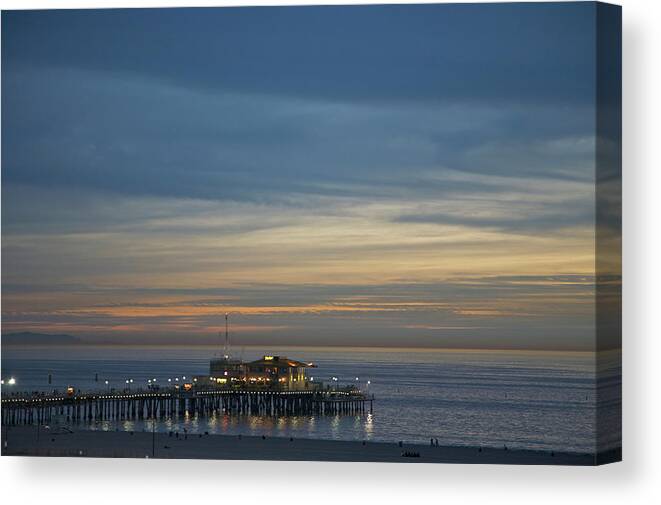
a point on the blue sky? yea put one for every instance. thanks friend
(385, 175)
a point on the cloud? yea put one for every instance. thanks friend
(500, 53)
(514, 223)
(521, 311)
(162, 140)
(394, 178)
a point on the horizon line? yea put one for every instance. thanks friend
(325, 346)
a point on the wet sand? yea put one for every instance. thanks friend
(23, 441)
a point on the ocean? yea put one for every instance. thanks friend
(522, 399)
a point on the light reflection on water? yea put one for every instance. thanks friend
(525, 399)
(369, 421)
(224, 424)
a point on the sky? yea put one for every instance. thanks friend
(415, 176)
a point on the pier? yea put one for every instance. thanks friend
(27, 409)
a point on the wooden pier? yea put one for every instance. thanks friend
(174, 403)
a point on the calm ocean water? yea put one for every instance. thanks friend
(537, 400)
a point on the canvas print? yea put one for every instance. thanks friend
(383, 233)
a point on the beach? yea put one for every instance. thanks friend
(25, 441)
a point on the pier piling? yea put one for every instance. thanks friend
(140, 405)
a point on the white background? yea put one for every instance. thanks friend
(636, 480)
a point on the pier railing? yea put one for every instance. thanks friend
(173, 403)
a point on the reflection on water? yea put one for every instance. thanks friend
(335, 426)
(369, 421)
(488, 398)
(359, 427)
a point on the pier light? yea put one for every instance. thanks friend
(131, 381)
(11, 381)
(357, 378)
(169, 380)
(2, 382)
(176, 379)
(369, 382)
(127, 381)
(184, 377)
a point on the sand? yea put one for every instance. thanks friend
(22, 441)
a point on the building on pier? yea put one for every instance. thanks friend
(286, 373)
(271, 372)
(226, 370)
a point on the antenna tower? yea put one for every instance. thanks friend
(226, 348)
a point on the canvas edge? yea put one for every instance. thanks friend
(608, 229)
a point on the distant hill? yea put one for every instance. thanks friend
(29, 338)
